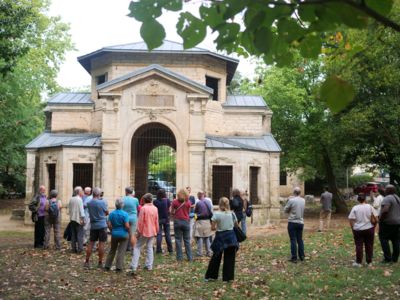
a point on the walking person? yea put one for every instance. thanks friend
(163, 205)
(53, 220)
(147, 229)
(295, 209)
(326, 210)
(180, 211)
(363, 230)
(86, 198)
(118, 223)
(37, 207)
(389, 225)
(77, 220)
(98, 212)
(131, 205)
(225, 243)
(245, 197)
(202, 226)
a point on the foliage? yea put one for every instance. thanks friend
(374, 116)
(272, 30)
(357, 180)
(34, 74)
(262, 272)
(162, 163)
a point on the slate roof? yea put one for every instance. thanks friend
(160, 69)
(245, 101)
(265, 143)
(71, 99)
(166, 47)
(49, 140)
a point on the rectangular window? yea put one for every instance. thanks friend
(51, 170)
(283, 178)
(221, 182)
(254, 171)
(101, 78)
(213, 83)
(83, 175)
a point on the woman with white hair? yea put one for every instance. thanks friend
(118, 223)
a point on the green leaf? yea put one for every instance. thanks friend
(337, 93)
(307, 13)
(310, 46)
(263, 40)
(172, 5)
(382, 7)
(228, 34)
(233, 7)
(348, 15)
(144, 10)
(191, 29)
(153, 33)
(211, 16)
(290, 30)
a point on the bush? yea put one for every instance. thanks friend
(357, 180)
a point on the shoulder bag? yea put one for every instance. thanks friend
(240, 235)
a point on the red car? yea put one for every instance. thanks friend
(367, 188)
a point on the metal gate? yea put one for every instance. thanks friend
(221, 182)
(153, 160)
(51, 170)
(83, 175)
(254, 171)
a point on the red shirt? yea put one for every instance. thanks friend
(183, 212)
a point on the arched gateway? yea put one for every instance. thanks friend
(158, 119)
(153, 159)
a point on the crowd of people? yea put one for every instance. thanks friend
(383, 216)
(135, 224)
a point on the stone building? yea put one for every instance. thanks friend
(140, 100)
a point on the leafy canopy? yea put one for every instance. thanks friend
(272, 30)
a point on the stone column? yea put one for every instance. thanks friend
(30, 182)
(196, 141)
(274, 211)
(110, 170)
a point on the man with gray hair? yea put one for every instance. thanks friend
(389, 225)
(77, 219)
(295, 209)
(98, 212)
(326, 210)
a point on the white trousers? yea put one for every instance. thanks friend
(142, 240)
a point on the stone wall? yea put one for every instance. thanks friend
(71, 121)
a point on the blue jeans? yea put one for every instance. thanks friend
(164, 224)
(243, 224)
(182, 230)
(295, 231)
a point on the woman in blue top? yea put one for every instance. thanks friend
(131, 207)
(118, 223)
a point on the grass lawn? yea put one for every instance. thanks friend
(262, 272)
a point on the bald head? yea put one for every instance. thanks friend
(42, 189)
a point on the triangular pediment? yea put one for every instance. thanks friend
(120, 83)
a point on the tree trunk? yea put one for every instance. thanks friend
(338, 200)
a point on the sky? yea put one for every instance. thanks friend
(99, 23)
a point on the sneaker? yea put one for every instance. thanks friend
(107, 269)
(294, 261)
(118, 270)
(147, 268)
(209, 279)
(386, 261)
(86, 265)
(100, 265)
(356, 265)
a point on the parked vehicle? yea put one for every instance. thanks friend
(367, 188)
(155, 185)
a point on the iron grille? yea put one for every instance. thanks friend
(51, 170)
(83, 175)
(254, 171)
(221, 182)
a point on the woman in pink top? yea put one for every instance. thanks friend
(147, 229)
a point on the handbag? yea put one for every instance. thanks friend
(374, 220)
(240, 235)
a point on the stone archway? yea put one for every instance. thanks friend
(146, 138)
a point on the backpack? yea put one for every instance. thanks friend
(54, 211)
